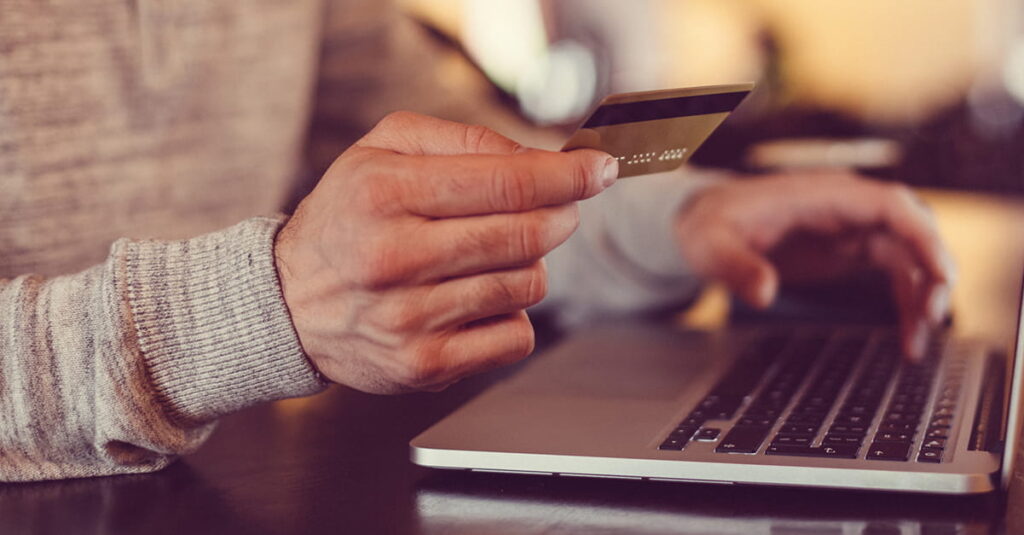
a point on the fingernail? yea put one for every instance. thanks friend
(938, 304)
(767, 288)
(610, 172)
(765, 294)
(918, 341)
(949, 266)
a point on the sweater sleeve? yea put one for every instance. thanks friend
(625, 257)
(122, 367)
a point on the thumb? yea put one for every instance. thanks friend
(746, 273)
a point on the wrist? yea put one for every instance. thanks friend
(211, 322)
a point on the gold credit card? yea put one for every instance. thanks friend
(656, 131)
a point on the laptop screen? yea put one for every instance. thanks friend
(1014, 416)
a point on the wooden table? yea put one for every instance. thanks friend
(338, 462)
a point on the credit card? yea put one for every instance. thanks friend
(656, 131)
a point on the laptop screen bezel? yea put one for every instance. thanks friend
(1014, 410)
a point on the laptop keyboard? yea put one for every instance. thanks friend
(842, 383)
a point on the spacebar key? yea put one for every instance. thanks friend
(743, 439)
(845, 451)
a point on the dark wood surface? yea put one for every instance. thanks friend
(338, 463)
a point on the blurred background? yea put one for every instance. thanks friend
(928, 92)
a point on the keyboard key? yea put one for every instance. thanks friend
(893, 437)
(858, 409)
(710, 401)
(799, 430)
(840, 439)
(914, 390)
(743, 440)
(673, 444)
(756, 422)
(708, 434)
(937, 432)
(789, 439)
(805, 420)
(888, 451)
(683, 432)
(905, 398)
(853, 419)
(818, 401)
(929, 455)
(940, 422)
(897, 428)
(901, 418)
(935, 443)
(833, 451)
(906, 407)
(843, 429)
(808, 412)
(755, 410)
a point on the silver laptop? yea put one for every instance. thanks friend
(774, 405)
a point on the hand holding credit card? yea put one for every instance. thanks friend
(656, 131)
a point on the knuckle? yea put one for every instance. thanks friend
(378, 266)
(579, 178)
(476, 137)
(899, 192)
(379, 194)
(528, 238)
(901, 199)
(423, 367)
(501, 290)
(521, 340)
(536, 284)
(405, 318)
(519, 289)
(490, 241)
(513, 189)
(395, 119)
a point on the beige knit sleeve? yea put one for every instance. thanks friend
(121, 367)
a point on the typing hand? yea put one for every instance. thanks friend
(412, 262)
(752, 234)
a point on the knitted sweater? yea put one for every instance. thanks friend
(135, 135)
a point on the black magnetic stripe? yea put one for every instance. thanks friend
(666, 108)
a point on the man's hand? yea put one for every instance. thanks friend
(411, 263)
(752, 234)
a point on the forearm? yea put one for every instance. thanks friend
(121, 367)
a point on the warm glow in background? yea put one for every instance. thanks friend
(879, 60)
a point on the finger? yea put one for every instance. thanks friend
(489, 344)
(466, 246)
(910, 288)
(412, 133)
(463, 300)
(938, 305)
(451, 355)
(746, 272)
(452, 186)
(868, 202)
(468, 299)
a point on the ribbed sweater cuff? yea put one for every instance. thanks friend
(212, 323)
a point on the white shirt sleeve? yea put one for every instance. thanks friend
(625, 256)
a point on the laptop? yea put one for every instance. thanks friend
(778, 404)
